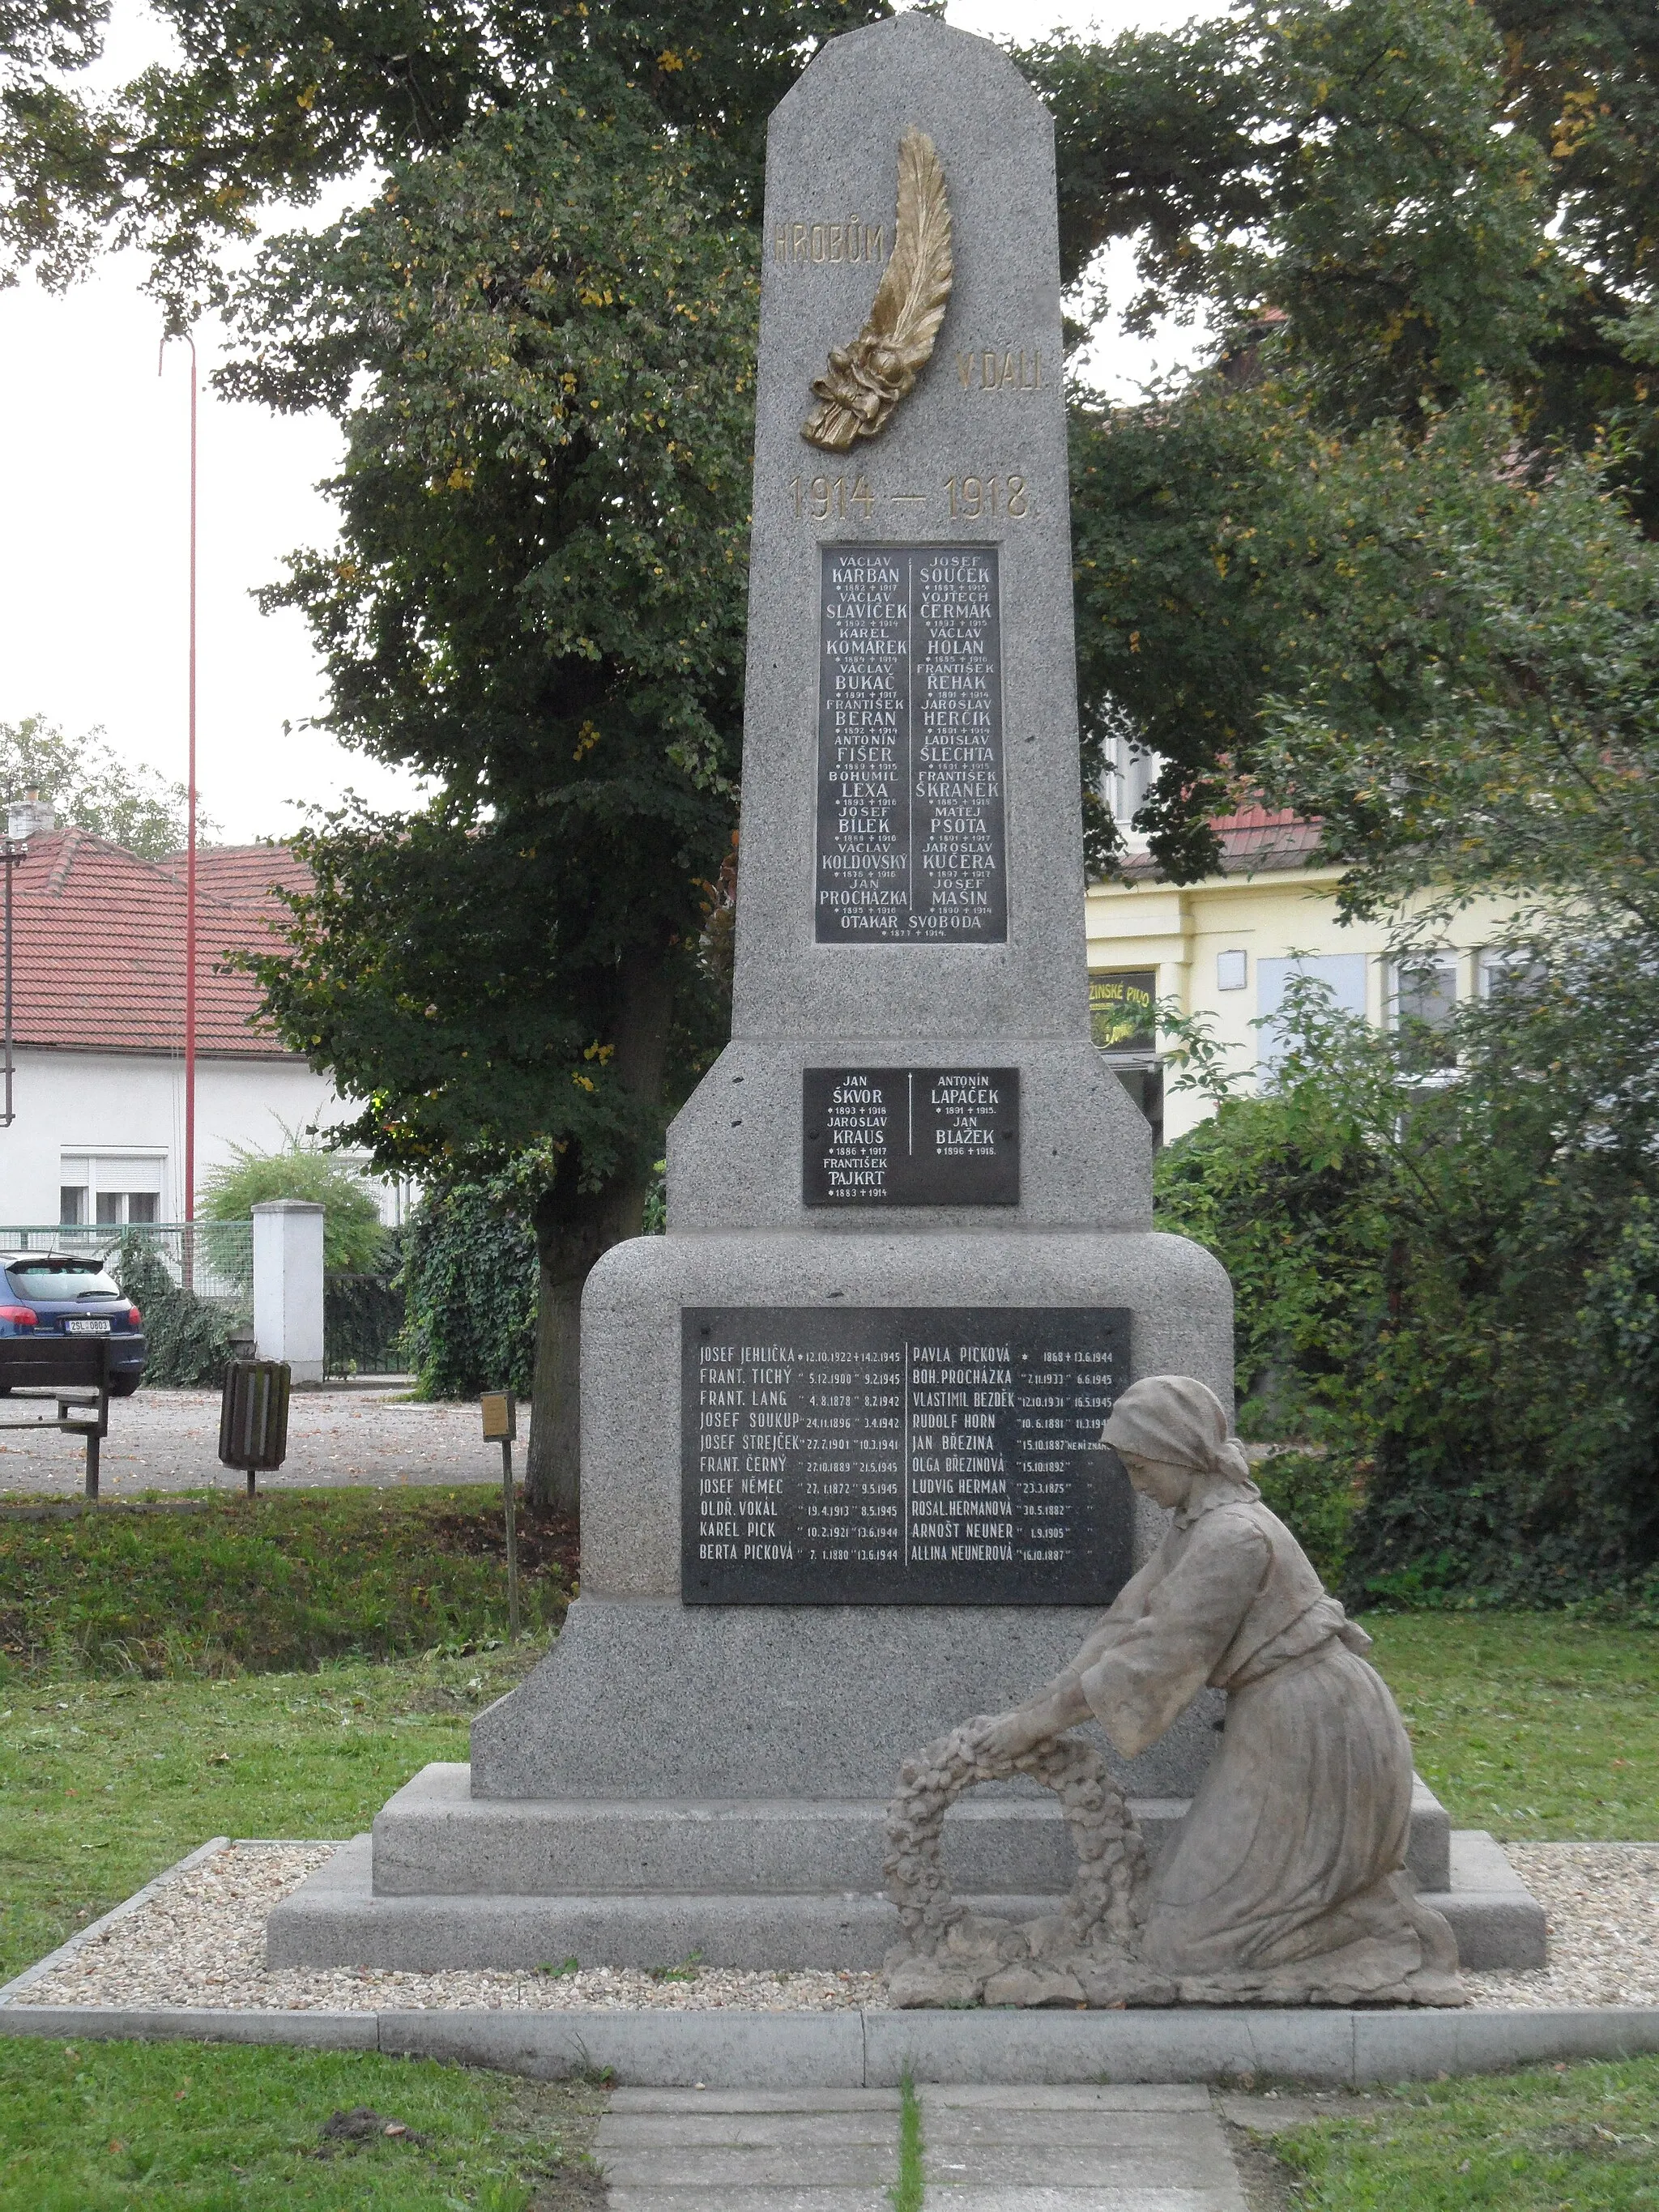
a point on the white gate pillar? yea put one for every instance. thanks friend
(288, 1284)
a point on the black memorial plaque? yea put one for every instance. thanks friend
(910, 793)
(910, 1136)
(902, 1456)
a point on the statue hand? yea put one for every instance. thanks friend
(995, 1737)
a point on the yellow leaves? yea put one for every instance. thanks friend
(1134, 641)
(307, 99)
(459, 478)
(584, 1082)
(586, 738)
(669, 60)
(600, 1052)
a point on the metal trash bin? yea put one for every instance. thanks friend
(253, 1416)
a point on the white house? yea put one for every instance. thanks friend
(98, 1088)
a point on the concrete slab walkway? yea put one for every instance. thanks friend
(984, 2149)
(749, 2150)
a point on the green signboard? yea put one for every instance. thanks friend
(1121, 1003)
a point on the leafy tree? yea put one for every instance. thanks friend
(93, 787)
(270, 103)
(353, 1238)
(1451, 1287)
(538, 601)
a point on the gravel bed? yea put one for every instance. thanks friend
(200, 1941)
(341, 1435)
(1602, 1903)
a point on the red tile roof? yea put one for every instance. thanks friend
(244, 875)
(98, 947)
(1254, 840)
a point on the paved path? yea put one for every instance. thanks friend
(984, 2149)
(169, 1440)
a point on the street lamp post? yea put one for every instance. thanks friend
(189, 1256)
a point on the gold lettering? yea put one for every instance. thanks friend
(818, 250)
(798, 240)
(965, 370)
(835, 235)
(988, 371)
(1010, 373)
(875, 242)
(780, 242)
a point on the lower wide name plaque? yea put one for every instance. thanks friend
(902, 1456)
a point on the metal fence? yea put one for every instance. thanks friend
(215, 1259)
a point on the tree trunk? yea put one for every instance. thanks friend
(573, 1228)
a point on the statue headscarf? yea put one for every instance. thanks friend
(1174, 1419)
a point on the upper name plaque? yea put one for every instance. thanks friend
(902, 1456)
(910, 843)
(910, 1136)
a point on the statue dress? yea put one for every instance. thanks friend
(1294, 1847)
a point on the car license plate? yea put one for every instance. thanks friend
(88, 1325)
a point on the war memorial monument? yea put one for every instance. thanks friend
(843, 1485)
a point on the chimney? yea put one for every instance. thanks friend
(28, 817)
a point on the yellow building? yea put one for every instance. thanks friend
(1224, 947)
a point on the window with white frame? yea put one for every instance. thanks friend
(113, 1190)
(1128, 775)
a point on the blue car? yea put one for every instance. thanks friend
(54, 1294)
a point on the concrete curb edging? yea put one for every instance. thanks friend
(853, 2050)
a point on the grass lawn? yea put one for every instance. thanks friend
(279, 1581)
(104, 2127)
(1532, 1726)
(104, 1783)
(1579, 2139)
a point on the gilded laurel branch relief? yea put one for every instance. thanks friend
(865, 380)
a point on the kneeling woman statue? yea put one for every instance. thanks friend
(1285, 1881)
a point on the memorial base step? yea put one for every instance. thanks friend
(435, 1837)
(336, 1918)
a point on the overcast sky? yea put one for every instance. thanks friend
(93, 563)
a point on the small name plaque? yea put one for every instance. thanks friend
(910, 792)
(910, 1136)
(902, 1456)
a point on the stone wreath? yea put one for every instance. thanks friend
(1082, 1955)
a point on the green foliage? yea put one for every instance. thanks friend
(469, 1280)
(538, 602)
(1580, 2137)
(186, 1339)
(1477, 704)
(101, 2127)
(1316, 1495)
(287, 1580)
(1338, 160)
(353, 1237)
(1449, 1283)
(92, 787)
(269, 104)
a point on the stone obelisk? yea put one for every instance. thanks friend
(842, 1485)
